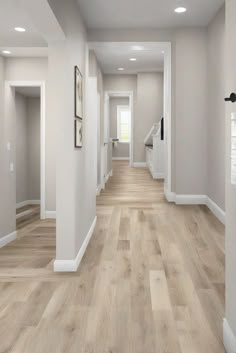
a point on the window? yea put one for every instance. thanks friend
(123, 124)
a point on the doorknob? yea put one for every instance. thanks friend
(232, 98)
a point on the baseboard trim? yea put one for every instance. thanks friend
(229, 338)
(120, 158)
(22, 214)
(196, 200)
(27, 202)
(72, 265)
(216, 210)
(190, 199)
(8, 239)
(50, 215)
(139, 165)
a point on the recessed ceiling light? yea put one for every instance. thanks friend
(180, 9)
(6, 52)
(19, 29)
(120, 69)
(137, 47)
(132, 59)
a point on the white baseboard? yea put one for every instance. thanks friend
(190, 199)
(216, 210)
(27, 202)
(158, 175)
(196, 200)
(120, 158)
(229, 338)
(50, 214)
(72, 265)
(7, 239)
(139, 165)
(22, 214)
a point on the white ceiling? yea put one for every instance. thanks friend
(125, 14)
(13, 15)
(29, 91)
(111, 56)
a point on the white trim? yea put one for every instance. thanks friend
(7, 239)
(216, 210)
(139, 165)
(27, 203)
(229, 338)
(72, 265)
(123, 94)
(190, 199)
(40, 84)
(196, 200)
(50, 214)
(120, 158)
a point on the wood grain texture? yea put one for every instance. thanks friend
(151, 280)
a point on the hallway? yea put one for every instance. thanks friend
(152, 279)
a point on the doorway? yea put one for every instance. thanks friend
(28, 100)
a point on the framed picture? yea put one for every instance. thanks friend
(78, 94)
(78, 133)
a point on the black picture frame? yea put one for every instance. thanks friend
(78, 133)
(78, 93)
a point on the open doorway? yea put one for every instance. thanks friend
(27, 99)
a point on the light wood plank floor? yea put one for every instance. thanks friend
(151, 281)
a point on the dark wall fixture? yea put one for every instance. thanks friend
(232, 98)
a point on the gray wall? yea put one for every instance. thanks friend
(216, 110)
(122, 150)
(27, 148)
(230, 189)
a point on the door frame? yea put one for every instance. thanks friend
(121, 94)
(41, 85)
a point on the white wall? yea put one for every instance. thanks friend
(75, 168)
(27, 148)
(191, 112)
(216, 110)
(149, 109)
(122, 150)
(230, 189)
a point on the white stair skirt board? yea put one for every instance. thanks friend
(27, 202)
(120, 158)
(158, 176)
(108, 176)
(229, 338)
(50, 214)
(99, 188)
(216, 210)
(7, 239)
(139, 165)
(72, 265)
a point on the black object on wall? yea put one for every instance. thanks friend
(162, 129)
(232, 98)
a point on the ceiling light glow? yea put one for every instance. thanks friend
(132, 59)
(137, 47)
(120, 69)
(6, 52)
(19, 29)
(180, 9)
